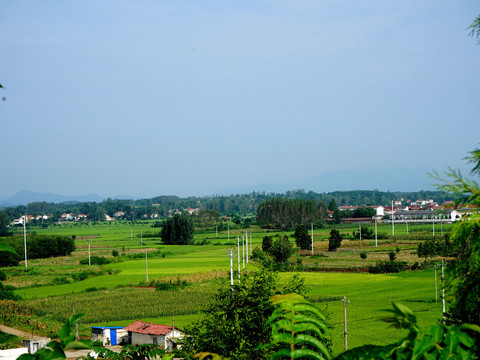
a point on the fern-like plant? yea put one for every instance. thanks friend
(299, 329)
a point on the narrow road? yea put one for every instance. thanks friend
(18, 332)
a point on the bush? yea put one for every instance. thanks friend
(335, 240)
(95, 260)
(388, 267)
(3, 277)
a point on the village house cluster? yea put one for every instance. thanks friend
(416, 211)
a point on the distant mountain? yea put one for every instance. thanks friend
(24, 197)
(404, 180)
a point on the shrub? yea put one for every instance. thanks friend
(335, 240)
(95, 260)
(388, 267)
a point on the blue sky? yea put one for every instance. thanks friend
(145, 98)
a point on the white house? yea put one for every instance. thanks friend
(109, 335)
(141, 332)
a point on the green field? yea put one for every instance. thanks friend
(112, 295)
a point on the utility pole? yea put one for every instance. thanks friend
(231, 255)
(89, 263)
(312, 240)
(246, 244)
(433, 226)
(360, 230)
(238, 253)
(406, 224)
(345, 302)
(443, 294)
(243, 250)
(25, 236)
(393, 223)
(376, 243)
(146, 264)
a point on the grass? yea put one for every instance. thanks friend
(122, 301)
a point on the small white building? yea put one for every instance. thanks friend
(109, 335)
(35, 344)
(141, 332)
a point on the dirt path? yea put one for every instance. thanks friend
(17, 332)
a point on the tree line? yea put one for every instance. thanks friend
(231, 205)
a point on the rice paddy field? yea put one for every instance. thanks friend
(116, 293)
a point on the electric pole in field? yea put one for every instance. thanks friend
(345, 302)
(243, 250)
(393, 223)
(231, 255)
(89, 263)
(146, 264)
(312, 240)
(376, 244)
(25, 236)
(360, 230)
(246, 245)
(238, 256)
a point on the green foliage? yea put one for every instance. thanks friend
(463, 275)
(281, 249)
(364, 212)
(384, 267)
(4, 222)
(392, 255)
(170, 285)
(435, 247)
(267, 243)
(287, 214)
(366, 233)
(335, 240)
(332, 205)
(302, 239)
(95, 260)
(56, 349)
(178, 230)
(6, 292)
(235, 320)
(299, 329)
(475, 29)
(115, 253)
(138, 352)
(440, 342)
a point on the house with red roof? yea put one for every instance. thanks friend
(140, 332)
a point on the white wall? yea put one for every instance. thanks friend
(12, 354)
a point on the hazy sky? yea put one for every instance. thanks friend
(146, 98)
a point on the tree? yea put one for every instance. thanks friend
(463, 274)
(234, 322)
(281, 249)
(364, 212)
(335, 240)
(363, 256)
(332, 206)
(4, 222)
(178, 230)
(302, 239)
(266, 243)
(475, 29)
